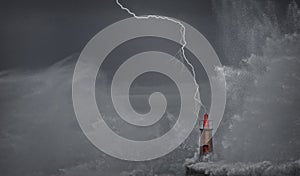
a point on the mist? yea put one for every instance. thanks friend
(262, 117)
(260, 48)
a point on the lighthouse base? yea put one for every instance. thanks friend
(206, 157)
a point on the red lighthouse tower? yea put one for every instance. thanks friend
(206, 142)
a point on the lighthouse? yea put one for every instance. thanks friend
(206, 141)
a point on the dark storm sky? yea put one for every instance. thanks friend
(35, 34)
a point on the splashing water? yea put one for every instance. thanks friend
(262, 82)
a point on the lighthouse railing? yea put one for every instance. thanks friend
(209, 126)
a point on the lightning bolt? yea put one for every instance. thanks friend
(198, 102)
